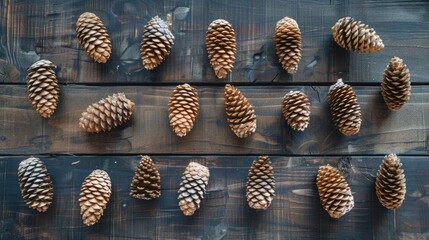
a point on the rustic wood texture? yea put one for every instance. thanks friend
(46, 29)
(382, 131)
(33, 30)
(295, 213)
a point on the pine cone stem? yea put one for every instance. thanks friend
(146, 183)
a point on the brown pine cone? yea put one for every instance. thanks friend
(296, 110)
(240, 114)
(107, 113)
(334, 191)
(94, 196)
(42, 87)
(146, 182)
(193, 187)
(396, 86)
(156, 43)
(36, 184)
(93, 36)
(260, 186)
(355, 36)
(287, 38)
(390, 182)
(221, 47)
(345, 108)
(183, 109)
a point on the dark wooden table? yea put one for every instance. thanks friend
(32, 30)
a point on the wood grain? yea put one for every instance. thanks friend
(46, 29)
(224, 213)
(382, 132)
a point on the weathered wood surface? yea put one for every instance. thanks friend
(25, 132)
(30, 30)
(294, 214)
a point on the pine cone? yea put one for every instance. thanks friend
(146, 182)
(355, 36)
(42, 86)
(334, 191)
(107, 113)
(94, 196)
(183, 109)
(345, 108)
(396, 86)
(156, 43)
(296, 110)
(390, 182)
(240, 114)
(93, 36)
(221, 47)
(260, 184)
(287, 38)
(36, 185)
(193, 187)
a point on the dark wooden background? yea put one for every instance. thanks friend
(45, 29)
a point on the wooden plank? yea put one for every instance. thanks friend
(295, 212)
(23, 131)
(33, 30)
